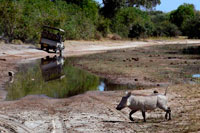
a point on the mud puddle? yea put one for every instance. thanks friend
(56, 77)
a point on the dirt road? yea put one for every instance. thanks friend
(90, 112)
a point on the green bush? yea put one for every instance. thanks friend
(127, 19)
(158, 16)
(180, 15)
(23, 19)
(192, 27)
(103, 26)
(141, 30)
(79, 27)
(9, 18)
(167, 29)
(162, 25)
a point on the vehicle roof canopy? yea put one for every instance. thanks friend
(53, 28)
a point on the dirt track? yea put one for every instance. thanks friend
(89, 112)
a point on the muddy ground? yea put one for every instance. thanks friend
(95, 111)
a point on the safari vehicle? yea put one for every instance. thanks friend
(52, 38)
(52, 68)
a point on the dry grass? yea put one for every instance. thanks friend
(155, 64)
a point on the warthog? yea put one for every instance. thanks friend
(144, 103)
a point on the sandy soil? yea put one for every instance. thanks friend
(90, 112)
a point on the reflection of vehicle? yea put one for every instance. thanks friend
(52, 68)
(51, 38)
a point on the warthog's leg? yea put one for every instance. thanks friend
(166, 115)
(144, 116)
(168, 111)
(132, 112)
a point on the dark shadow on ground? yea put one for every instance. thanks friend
(137, 121)
(194, 50)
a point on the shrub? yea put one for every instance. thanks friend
(166, 28)
(137, 30)
(97, 36)
(23, 19)
(103, 26)
(158, 16)
(9, 18)
(192, 27)
(127, 19)
(180, 15)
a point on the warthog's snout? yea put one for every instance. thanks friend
(123, 102)
(119, 108)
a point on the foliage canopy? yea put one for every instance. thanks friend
(183, 13)
(85, 19)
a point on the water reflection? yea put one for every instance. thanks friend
(56, 77)
(32, 79)
(52, 68)
(107, 85)
(101, 87)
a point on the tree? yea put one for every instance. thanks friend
(112, 6)
(184, 12)
(144, 3)
(10, 14)
(131, 22)
(191, 26)
(89, 7)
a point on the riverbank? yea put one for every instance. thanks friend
(95, 111)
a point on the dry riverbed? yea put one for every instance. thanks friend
(152, 65)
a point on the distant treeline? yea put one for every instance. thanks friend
(86, 19)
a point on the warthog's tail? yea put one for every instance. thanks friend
(166, 90)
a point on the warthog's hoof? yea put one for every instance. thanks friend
(131, 119)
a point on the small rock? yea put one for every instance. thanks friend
(2, 59)
(155, 91)
(116, 37)
(135, 59)
(111, 60)
(136, 79)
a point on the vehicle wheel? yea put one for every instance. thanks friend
(42, 47)
(47, 49)
(60, 51)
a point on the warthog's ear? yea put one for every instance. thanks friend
(128, 93)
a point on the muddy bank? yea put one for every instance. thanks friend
(95, 111)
